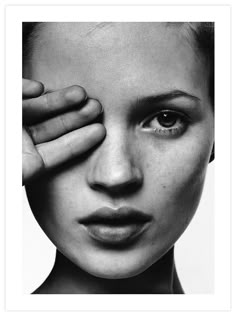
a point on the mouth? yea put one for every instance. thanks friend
(115, 226)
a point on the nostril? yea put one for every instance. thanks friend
(117, 185)
(121, 189)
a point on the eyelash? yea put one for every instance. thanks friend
(179, 119)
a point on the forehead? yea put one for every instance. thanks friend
(134, 55)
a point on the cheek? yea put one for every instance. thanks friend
(51, 201)
(175, 174)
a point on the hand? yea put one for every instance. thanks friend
(54, 127)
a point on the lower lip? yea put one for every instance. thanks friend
(111, 234)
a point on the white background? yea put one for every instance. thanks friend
(11, 244)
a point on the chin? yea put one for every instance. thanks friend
(119, 266)
(115, 274)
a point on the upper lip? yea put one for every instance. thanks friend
(122, 215)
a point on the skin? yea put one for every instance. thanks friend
(159, 173)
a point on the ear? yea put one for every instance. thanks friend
(212, 157)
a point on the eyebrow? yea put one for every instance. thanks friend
(157, 98)
(168, 96)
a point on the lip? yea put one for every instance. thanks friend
(115, 226)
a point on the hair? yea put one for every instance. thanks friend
(204, 36)
(29, 35)
(202, 33)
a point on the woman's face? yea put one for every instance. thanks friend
(152, 84)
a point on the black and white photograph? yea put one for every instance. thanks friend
(118, 131)
(119, 158)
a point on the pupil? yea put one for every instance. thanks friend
(167, 119)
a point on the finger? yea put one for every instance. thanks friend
(71, 145)
(59, 101)
(31, 88)
(32, 163)
(65, 123)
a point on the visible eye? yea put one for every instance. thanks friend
(166, 122)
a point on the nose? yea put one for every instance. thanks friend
(114, 169)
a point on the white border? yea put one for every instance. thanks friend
(15, 299)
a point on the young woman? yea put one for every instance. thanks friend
(118, 130)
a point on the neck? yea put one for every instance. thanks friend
(67, 278)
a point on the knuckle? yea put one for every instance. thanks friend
(63, 121)
(32, 132)
(36, 131)
(68, 145)
(45, 162)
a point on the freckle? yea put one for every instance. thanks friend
(148, 165)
